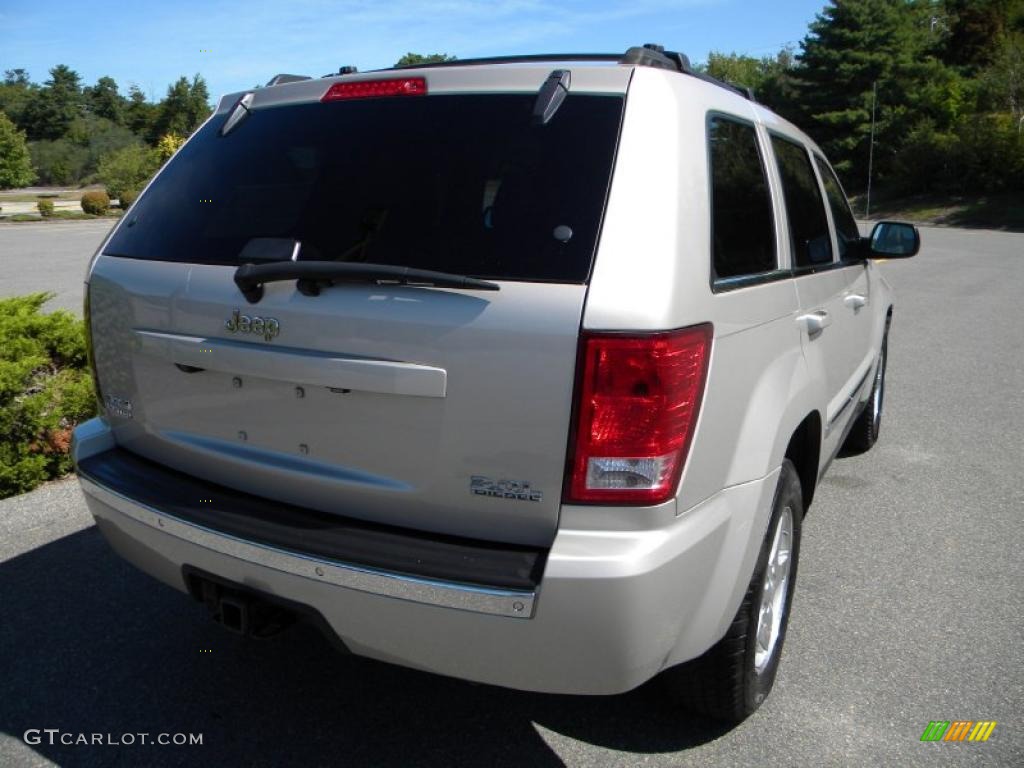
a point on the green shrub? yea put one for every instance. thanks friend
(127, 198)
(45, 390)
(167, 145)
(127, 169)
(95, 202)
(60, 162)
(45, 208)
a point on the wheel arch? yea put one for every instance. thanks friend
(804, 450)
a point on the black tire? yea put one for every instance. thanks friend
(864, 432)
(726, 683)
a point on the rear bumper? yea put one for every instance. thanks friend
(613, 607)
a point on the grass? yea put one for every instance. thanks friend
(114, 213)
(17, 196)
(1002, 212)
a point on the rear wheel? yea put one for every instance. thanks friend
(864, 432)
(731, 680)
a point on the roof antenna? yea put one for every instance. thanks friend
(550, 97)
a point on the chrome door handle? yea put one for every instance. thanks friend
(815, 322)
(855, 301)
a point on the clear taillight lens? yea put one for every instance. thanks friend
(638, 401)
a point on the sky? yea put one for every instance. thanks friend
(237, 44)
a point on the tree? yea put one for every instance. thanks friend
(55, 105)
(182, 110)
(167, 145)
(976, 28)
(139, 114)
(778, 89)
(734, 68)
(15, 162)
(850, 46)
(128, 169)
(15, 93)
(1003, 81)
(770, 77)
(61, 162)
(16, 77)
(99, 137)
(103, 100)
(418, 58)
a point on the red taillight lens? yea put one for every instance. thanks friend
(639, 396)
(369, 89)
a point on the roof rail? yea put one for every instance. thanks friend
(647, 55)
(281, 79)
(653, 55)
(522, 59)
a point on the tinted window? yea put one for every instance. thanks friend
(743, 234)
(846, 226)
(463, 184)
(808, 223)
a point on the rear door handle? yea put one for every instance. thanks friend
(815, 322)
(855, 301)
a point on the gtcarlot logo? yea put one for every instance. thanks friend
(55, 736)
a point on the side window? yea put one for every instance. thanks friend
(808, 223)
(846, 226)
(742, 228)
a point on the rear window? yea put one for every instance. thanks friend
(742, 226)
(464, 184)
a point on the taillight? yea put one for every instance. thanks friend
(369, 89)
(638, 400)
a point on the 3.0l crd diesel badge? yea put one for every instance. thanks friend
(267, 327)
(503, 489)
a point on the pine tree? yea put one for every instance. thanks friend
(55, 105)
(139, 114)
(851, 46)
(15, 94)
(104, 100)
(182, 110)
(977, 29)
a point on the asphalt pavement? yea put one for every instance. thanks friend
(49, 256)
(908, 606)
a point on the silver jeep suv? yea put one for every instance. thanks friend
(520, 370)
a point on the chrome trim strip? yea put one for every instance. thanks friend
(850, 399)
(292, 364)
(725, 284)
(498, 602)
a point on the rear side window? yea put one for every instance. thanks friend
(808, 223)
(846, 226)
(453, 183)
(743, 233)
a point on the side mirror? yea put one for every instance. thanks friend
(893, 240)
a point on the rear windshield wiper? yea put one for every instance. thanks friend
(313, 275)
